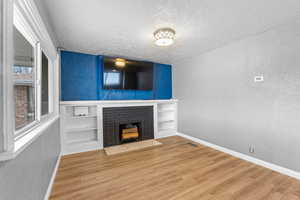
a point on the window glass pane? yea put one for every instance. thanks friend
(24, 84)
(45, 82)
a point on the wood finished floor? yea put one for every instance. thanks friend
(172, 171)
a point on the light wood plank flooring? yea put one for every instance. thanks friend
(173, 171)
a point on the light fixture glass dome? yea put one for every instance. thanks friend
(164, 36)
(120, 62)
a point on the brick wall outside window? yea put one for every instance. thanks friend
(24, 99)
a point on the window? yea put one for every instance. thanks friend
(24, 81)
(45, 85)
(29, 78)
(31, 81)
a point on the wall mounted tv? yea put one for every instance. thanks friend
(126, 74)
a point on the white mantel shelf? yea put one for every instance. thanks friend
(115, 102)
(85, 133)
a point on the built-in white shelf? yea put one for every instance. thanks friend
(166, 126)
(166, 129)
(76, 142)
(82, 117)
(167, 118)
(85, 133)
(76, 130)
(164, 111)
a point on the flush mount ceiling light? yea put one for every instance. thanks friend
(164, 36)
(120, 62)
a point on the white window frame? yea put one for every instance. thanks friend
(50, 84)
(24, 14)
(24, 28)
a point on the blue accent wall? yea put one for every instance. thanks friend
(82, 79)
(79, 76)
(163, 81)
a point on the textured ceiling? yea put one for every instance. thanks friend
(124, 28)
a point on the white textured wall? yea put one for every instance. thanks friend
(220, 103)
(46, 19)
(1, 77)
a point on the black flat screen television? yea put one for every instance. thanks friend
(127, 75)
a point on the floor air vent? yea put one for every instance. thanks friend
(192, 144)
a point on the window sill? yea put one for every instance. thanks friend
(26, 140)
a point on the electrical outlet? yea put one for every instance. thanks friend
(251, 149)
(259, 78)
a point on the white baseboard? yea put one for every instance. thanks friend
(48, 193)
(166, 135)
(268, 165)
(89, 146)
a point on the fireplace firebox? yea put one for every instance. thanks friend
(129, 132)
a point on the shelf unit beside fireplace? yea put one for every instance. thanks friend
(167, 118)
(79, 132)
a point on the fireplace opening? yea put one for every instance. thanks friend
(115, 119)
(130, 132)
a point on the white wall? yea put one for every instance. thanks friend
(46, 19)
(1, 75)
(220, 103)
